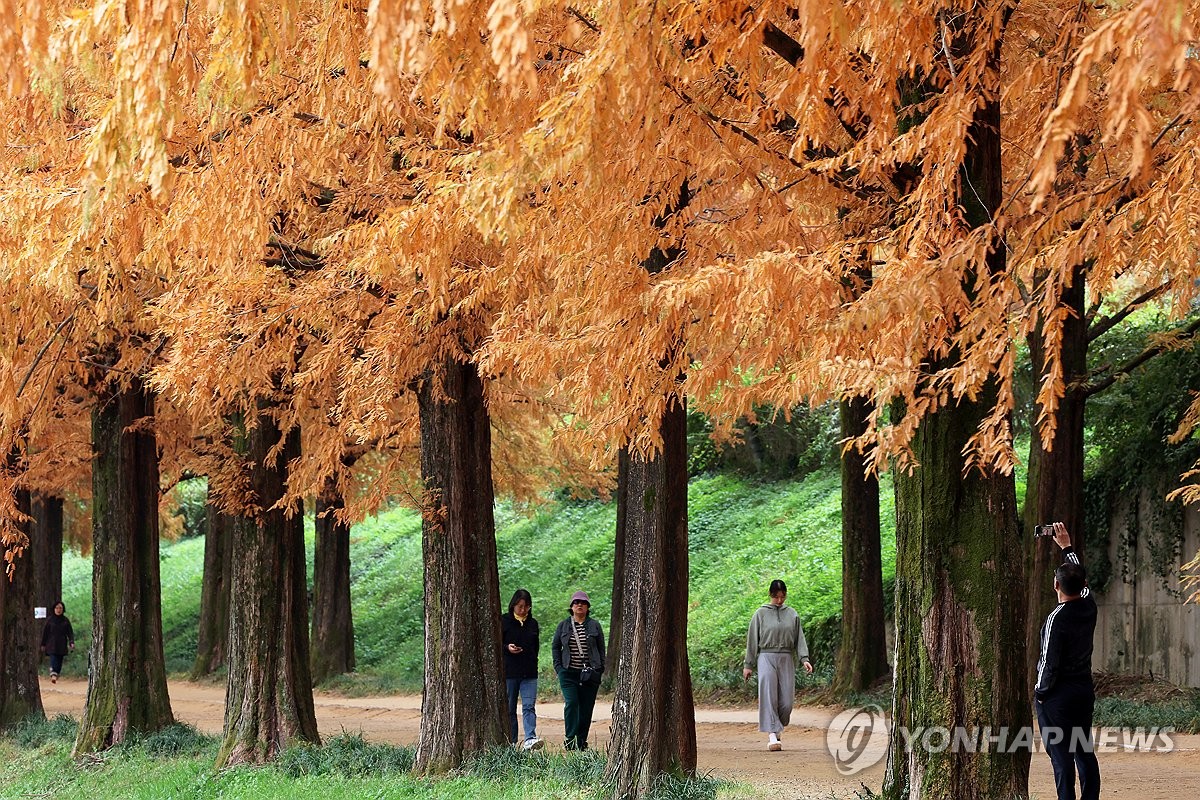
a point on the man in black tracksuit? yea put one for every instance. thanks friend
(1064, 694)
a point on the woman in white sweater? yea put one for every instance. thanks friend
(775, 636)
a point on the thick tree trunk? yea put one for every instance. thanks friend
(332, 621)
(127, 679)
(46, 545)
(960, 633)
(615, 621)
(20, 637)
(862, 658)
(212, 643)
(654, 725)
(463, 708)
(1054, 490)
(268, 696)
(960, 657)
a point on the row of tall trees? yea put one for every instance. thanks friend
(493, 243)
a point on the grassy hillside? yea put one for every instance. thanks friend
(743, 534)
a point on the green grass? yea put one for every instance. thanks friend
(178, 763)
(742, 535)
(1118, 712)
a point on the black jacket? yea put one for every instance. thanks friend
(524, 665)
(57, 635)
(560, 648)
(1066, 653)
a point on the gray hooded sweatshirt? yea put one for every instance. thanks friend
(774, 629)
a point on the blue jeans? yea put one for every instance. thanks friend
(55, 664)
(527, 689)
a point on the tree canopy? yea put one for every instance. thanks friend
(225, 196)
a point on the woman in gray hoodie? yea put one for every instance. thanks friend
(775, 635)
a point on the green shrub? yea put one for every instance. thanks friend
(699, 787)
(348, 754)
(38, 731)
(174, 741)
(1119, 712)
(513, 765)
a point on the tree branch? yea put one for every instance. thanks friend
(792, 52)
(583, 18)
(1105, 324)
(292, 257)
(842, 182)
(1162, 346)
(42, 351)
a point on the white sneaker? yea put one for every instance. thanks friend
(773, 743)
(534, 744)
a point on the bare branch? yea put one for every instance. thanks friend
(1161, 346)
(1105, 324)
(42, 351)
(577, 14)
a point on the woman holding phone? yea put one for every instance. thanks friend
(519, 635)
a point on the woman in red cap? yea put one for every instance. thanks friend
(578, 652)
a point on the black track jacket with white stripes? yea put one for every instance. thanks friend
(1066, 655)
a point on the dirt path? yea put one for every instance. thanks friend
(728, 739)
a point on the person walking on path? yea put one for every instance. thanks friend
(578, 653)
(1064, 695)
(519, 635)
(775, 635)
(58, 639)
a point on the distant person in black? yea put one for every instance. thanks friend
(519, 636)
(57, 639)
(1065, 697)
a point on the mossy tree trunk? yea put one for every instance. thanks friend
(46, 545)
(127, 679)
(20, 637)
(212, 642)
(463, 708)
(618, 588)
(862, 657)
(268, 696)
(332, 620)
(960, 633)
(960, 656)
(1054, 488)
(654, 725)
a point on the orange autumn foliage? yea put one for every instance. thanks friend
(338, 193)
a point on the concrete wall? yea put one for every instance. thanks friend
(1147, 627)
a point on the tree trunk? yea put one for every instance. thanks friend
(127, 679)
(862, 657)
(654, 724)
(463, 708)
(960, 633)
(960, 636)
(212, 643)
(332, 621)
(268, 696)
(1054, 489)
(618, 588)
(20, 636)
(46, 548)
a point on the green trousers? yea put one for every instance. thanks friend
(578, 700)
